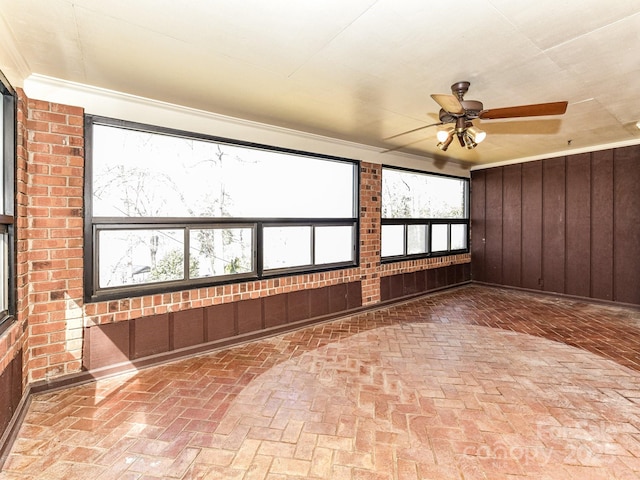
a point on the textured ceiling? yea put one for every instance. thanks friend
(357, 70)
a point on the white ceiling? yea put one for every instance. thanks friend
(355, 70)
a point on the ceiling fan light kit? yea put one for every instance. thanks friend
(468, 135)
(455, 109)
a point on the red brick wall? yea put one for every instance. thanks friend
(370, 207)
(50, 239)
(50, 256)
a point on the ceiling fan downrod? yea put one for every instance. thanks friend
(459, 89)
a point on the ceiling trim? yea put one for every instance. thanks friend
(123, 106)
(563, 153)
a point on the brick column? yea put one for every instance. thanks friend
(370, 205)
(22, 270)
(50, 238)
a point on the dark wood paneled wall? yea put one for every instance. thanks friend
(423, 281)
(167, 334)
(10, 390)
(568, 225)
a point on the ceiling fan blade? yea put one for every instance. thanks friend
(535, 110)
(449, 103)
(414, 130)
(400, 147)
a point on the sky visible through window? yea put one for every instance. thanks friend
(147, 174)
(418, 195)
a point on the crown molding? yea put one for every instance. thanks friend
(123, 106)
(563, 153)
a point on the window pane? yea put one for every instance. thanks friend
(129, 257)
(334, 244)
(439, 237)
(220, 251)
(392, 240)
(286, 247)
(146, 174)
(416, 239)
(7, 189)
(458, 237)
(2, 140)
(417, 195)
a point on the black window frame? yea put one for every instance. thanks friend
(428, 222)
(93, 225)
(7, 215)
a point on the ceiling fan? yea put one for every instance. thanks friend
(460, 112)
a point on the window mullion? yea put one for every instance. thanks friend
(186, 254)
(313, 245)
(259, 249)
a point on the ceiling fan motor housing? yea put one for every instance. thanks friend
(472, 110)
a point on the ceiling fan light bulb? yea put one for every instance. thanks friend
(476, 134)
(445, 144)
(442, 135)
(469, 142)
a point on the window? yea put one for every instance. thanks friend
(7, 175)
(423, 214)
(168, 210)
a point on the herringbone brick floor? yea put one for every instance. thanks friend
(473, 383)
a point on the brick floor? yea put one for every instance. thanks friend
(472, 383)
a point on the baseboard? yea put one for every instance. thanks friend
(599, 301)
